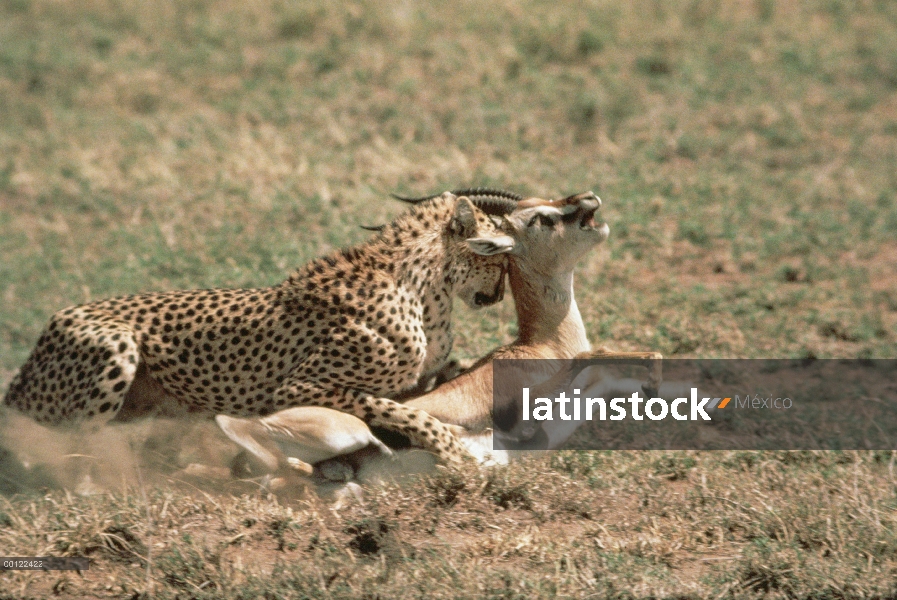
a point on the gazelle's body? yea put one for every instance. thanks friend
(544, 240)
(550, 327)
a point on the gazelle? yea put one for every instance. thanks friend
(543, 239)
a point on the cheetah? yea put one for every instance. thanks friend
(342, 332)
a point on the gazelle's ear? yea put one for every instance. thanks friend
(488, 246)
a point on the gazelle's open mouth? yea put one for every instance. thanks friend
(585, 218)
(588, 220)
(581, 209)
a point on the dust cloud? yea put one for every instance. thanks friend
(154, 451)
(112, 457)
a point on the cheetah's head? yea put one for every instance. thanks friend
(476, 269)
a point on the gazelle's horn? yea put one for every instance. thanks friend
(490, 201)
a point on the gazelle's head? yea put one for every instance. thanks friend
(548, 236)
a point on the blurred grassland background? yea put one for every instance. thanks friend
(746, 152)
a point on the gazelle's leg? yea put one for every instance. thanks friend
(423, 430)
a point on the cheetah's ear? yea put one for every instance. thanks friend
(464, 221)
(487, 246)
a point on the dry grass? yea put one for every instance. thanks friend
(745, 152)
(638, 524)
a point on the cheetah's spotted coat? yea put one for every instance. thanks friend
(342, 332)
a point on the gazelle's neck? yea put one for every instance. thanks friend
(547, 314)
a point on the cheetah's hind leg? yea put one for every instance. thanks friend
(76, 377)
(80, 370)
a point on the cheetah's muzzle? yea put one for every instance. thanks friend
(482, 299)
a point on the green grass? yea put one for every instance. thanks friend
(745, 153)
(220, 145)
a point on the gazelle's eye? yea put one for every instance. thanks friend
(543, 220)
